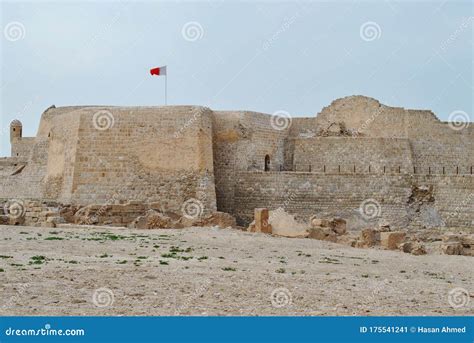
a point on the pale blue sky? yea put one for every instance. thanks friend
(261, 56)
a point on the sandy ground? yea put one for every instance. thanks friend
(211, 271)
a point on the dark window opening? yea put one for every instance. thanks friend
(267, 163)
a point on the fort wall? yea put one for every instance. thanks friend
(241, 142)
(234, 161)
(342, 195)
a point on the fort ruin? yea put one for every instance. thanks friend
(357, 159)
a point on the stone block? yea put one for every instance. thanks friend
(319, 222)
(322, 234)
(452, 248)
(391, 240)
(261, 220)
(338, 225)
(418, 249)
(367, 238)
(414, 248)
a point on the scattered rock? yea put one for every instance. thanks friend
(326, 229)
(152, 220)
(414, 248)
(406, 247)
(285, 224)
(367, 238)
(391, 240)
(418, 249)
(452, 248)
(318, 222)
(4, 220)
(220, 219)
(338, 225)
(322, 233)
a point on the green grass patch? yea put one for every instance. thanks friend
(170, 255)
(38, 259)
(52, 238)
(229, 269)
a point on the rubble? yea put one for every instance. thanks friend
(391, 240)
(285, 224)
(367, 238)
(152, 220)
(414, 248)
(327, 229)
(453, 244)
(220, 219)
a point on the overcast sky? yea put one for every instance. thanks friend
(234, 55)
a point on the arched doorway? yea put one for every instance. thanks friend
(267, 162)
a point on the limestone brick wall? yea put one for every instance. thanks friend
(366, 116)
(147, 154)
(62, 133)
(327, 195)
(438, 144)
(21, 147)
(364, 153)
(241, 142)
(22, 177)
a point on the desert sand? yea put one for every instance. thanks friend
(213, 271)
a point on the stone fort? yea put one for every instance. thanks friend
(410, 168)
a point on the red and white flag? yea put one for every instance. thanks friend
(158, 71)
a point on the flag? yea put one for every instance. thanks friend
(158, 71)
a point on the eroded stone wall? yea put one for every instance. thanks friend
(362, 199)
